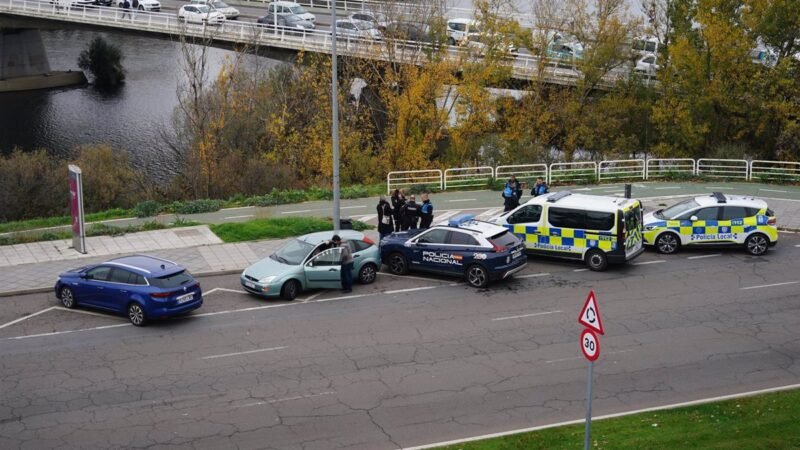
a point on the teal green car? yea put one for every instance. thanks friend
(307, 263)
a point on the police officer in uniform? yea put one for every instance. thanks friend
(409, 214)
(398, 200)
(385, 222)
(425, 212)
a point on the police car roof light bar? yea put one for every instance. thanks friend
(461, 219)
(720, 197)
(556, 196)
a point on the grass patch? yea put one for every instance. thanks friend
(46, 222)
(765, 421)
(97, 229)
(275, 228)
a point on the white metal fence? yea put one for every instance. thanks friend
(723, 168)
(664, 167)
(587, 171)
(621, 169)
(774, 171)
(468, 176)
(407, 178)
(574, 171)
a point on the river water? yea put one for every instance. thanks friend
(131, 119)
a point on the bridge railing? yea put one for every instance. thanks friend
(723, 168)
(523, 172)
(774, 170)
(585, 171)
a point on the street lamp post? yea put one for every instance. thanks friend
(335, 121)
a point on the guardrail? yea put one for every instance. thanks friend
(621, 169)
(723, 168)
(406, 178)
(468, 176)
(665, 167)
(522, 171)
(574, 171)
(774, 170)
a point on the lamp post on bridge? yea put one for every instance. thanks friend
(335, 121)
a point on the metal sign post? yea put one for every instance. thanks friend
(590, 347)
(335, 121)
(76, 209)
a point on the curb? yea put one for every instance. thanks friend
(39, 290)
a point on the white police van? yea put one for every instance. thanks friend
(596, 229)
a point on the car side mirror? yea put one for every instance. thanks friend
(310, 264)
(693, 218)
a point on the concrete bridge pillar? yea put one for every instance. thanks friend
(24, 64)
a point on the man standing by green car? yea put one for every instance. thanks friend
(347, 264)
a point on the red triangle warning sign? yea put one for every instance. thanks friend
(590, 314)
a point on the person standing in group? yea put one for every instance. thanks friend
(510, 199)
(409, 214)
(126, 9)
(347, 264)
(425, 212)
(385, 222)
(539, 188)
(398, 200)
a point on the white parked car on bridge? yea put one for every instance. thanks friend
(230, 12)
(200, 14)
(359, 29)
(378, 19)
(143, 5)
(459, 30)
(647, 64)
(284, 8)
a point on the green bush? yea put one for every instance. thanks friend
(318, 193)
(104, 61)
(147, 208)
(194, 206)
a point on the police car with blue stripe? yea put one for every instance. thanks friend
(713, 220)
(478, 251)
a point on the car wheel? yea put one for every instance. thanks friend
(67, 298)
(368, 273)
(477, 276)
(668, 243)
(290, 289)
(451, 41)
(596, 260)
(136, 314)
(398, 264)
(756, 244)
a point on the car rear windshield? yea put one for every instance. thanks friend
(173, 280)
(504, 239)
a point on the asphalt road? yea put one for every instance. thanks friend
(403, 362)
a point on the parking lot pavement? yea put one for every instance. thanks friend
(401, 362)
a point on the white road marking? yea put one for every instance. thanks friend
(717, 187)
(705, 256)
(532, 275)
(798, 245)
(239, 217)
(402, 291)
(353, 207)
(606, 416)
(666, 187)
(580, 270)
(225, 355)
(88, 313)
(367, 218)
(489, 213)
(297, 212)
(614, 191)
(443, 217)
(408, 276)
(583, 189)
(8, 324)
(240, 207)
(56, 333)
(658, 261)
(287, 399)
(526, 315)
(769, 285)
(312, 297)
(462, 200)
(236, 291)
(580, 357)
(787, 232)
(774, 190)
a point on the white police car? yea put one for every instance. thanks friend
(713, 220)
(478, 251)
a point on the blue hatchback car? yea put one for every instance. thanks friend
(478, 251)
(143, 287)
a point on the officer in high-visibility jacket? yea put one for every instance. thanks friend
(425, 212)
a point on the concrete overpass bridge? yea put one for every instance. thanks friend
(31, 15)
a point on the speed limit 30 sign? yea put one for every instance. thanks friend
(590, 345)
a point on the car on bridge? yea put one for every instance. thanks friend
(475, 250)
(715, 220)
(309, 262)
(143, 5)
(287, 22)
(283, 8)
(143, 287)
(378, 19)
(357, 29)
(230, 12)
(202, 14)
